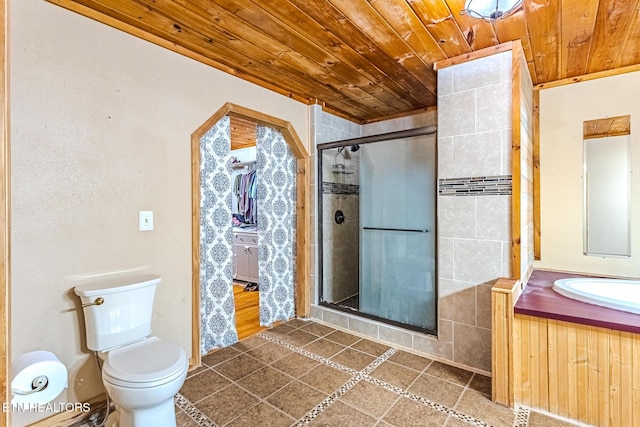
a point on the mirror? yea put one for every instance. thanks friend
(606, 186)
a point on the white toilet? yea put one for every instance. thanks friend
(141, 372)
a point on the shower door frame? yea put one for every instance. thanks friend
(422, 131)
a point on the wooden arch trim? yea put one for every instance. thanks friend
(302, 211)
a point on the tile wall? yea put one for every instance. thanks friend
(326, 128)
(474, 204)
(474, 245)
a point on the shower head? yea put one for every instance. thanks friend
(355, 147)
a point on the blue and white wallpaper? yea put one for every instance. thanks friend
(217, 310)
(277, 167)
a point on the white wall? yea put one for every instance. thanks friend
(100, 128)
(562, 113)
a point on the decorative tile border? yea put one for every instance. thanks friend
(338, 188)
(303, 352)
(521, 418)
(499, 185)
(196, 415)
(343, 389)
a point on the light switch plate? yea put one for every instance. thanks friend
(145, 222)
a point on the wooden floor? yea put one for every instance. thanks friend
(247, 311)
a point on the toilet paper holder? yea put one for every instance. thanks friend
(38, 384)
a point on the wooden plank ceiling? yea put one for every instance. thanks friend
(368, 60)
(611, 126)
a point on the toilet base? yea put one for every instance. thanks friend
(162, 415)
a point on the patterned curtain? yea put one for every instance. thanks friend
(276, 195)
(217, 310)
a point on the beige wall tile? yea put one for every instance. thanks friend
(335, 318)
(457, 216)
(445, 157)
(472, 346)
(445, 81)
(396, 335)
(430, 345)
(363, 326)
(445, 258)
(477, 73)
(459, 307)
(477, 154)
(493, 218)
(445, 330)
(483, 305)
(456, 114)
(493, 107)
(449, 287)
(477, 261)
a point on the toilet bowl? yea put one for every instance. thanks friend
(142, 379)
(140, 372)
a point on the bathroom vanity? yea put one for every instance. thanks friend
(245, 254)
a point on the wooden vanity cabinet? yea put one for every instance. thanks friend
(245, 257)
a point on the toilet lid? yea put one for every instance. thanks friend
(145, 361)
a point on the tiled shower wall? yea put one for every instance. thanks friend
(324, 128)
(327, 128)
(474, 245)
(474, 204)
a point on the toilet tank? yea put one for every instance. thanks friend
(124, 316)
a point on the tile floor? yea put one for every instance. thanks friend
(306, 373)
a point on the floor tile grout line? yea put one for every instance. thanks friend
(378, 361)
(329, 400)
(309, 354)
(423, 400)
(520, 418)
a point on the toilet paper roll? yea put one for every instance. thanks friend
(32, 365)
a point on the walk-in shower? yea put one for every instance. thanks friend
(377, 227)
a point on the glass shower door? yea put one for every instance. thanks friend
(397, 231)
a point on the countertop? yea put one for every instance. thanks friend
(252, 229)
(540, 300)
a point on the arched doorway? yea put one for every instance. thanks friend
(302, 231)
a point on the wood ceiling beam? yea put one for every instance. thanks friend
(587, 77)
